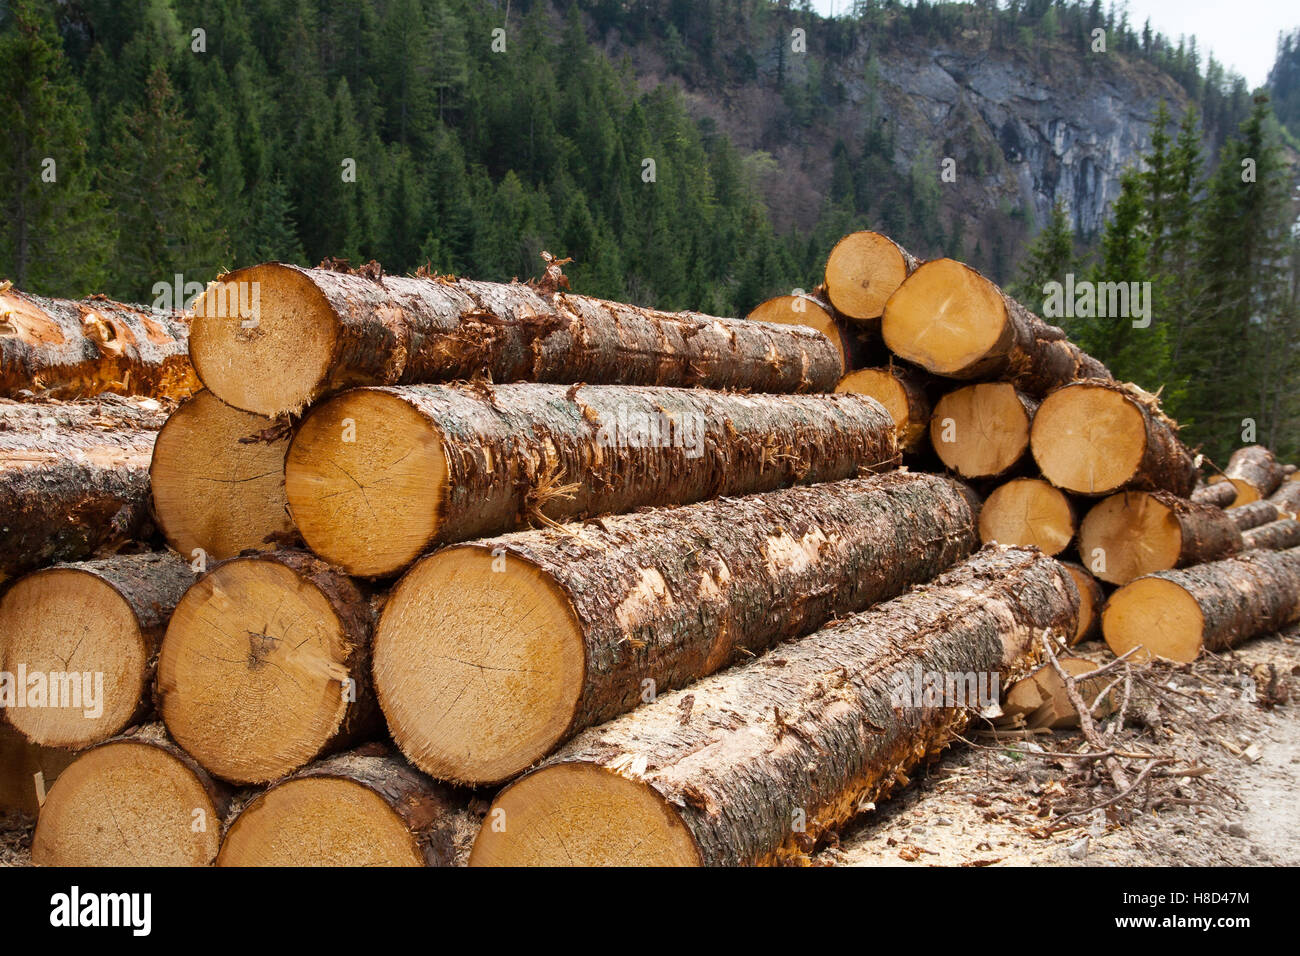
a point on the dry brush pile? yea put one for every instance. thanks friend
(430, 571)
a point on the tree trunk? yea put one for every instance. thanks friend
(1137, 532)
(265, 667)
(759, 763)
(1287, 498)
(315, 331)
(1177, 614)
(949, 319)
(902, 391)
(863, 271)
(376, 477)
(1091, 600)
(1254, 471)
(1221, 494)
(86, 634)
(982, 431)
(490, 654)
(1095, 438)
(20, 763)
(73, 478)
(855, 345)
(64, 349)
(1276, 536)
(1028, 512)
(218, 481)
(135, 800)
(1254, 514)
(1042, 701)
(360, 809)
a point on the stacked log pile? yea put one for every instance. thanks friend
(432, 569)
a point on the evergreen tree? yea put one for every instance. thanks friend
(168, 219)
(56, 236)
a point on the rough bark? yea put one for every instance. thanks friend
(1254, 471)
(1221, 494)
(73, 478)
(438, 820)
(103, 617)
(1275, 536)
(1254, 593)
(64, 349)
(265, 666)
(513, 455)
(1153, 458)
(759, 763)
(1031, 354)
(655, 599)
(117, 806)
(1254, 514)
(1287, 498)
(393, 330)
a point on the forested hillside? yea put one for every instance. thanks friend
(686, 155)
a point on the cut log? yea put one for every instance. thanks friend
(315, 331)
(1221, 495)
(1254, 471)
(1028, 512)
(1275, 536)
(950, 320)
(759, 763)
(1091, 600)
(64, 349)
(73, 478)
(265, 666)
(863, 271)
(218, 481)
(902, 392)
(376, 477)
(1177, 614)
(1287, 498)
(360, 809)
(488, 655)
(1042, 701)
(135, 800)
(982, 431)
(1096, 438)
(27, 771)
(78, 643)
(1254, 514)
(1137, 532)
(809, 310)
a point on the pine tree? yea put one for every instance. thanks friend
(1048, 258)
(56, 238)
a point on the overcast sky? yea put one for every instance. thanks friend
(1241, 33)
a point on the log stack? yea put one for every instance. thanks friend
(651, 581)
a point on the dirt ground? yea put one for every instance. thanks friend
(993, 802)
(1228, 797)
